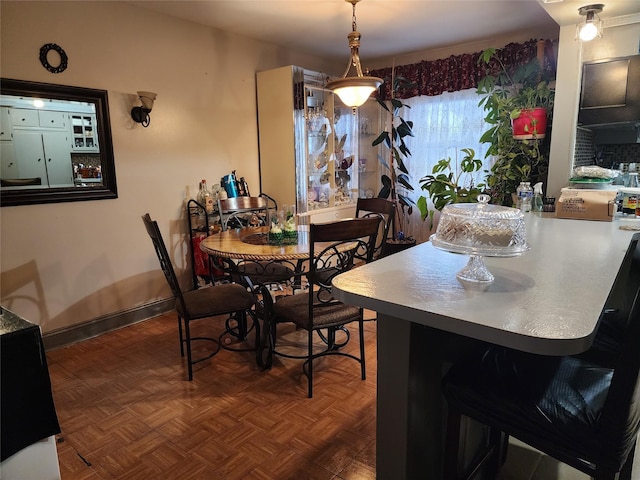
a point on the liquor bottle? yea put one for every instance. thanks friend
(205, 198)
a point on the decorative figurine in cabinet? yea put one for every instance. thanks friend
(308, 144)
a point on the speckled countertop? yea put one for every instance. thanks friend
(546, 301)
(11, 323)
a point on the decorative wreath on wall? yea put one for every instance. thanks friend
(44, 51)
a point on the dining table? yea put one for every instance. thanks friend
(252, 243)
(547, 301)
(251, 246)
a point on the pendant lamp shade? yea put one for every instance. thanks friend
(354, 90)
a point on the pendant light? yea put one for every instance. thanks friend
(591, 27)
(355, 90)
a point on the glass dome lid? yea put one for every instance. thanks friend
(481, 229)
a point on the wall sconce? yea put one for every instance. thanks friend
(141, 114)
(591, 27)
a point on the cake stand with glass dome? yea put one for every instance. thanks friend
(480, 230)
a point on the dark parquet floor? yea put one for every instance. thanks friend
(127, 411)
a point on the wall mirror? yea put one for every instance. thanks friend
(55, 144)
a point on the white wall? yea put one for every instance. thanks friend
(68, 263)
(620, 38)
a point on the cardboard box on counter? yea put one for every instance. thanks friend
(586, 204)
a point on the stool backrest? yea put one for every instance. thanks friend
(620, 418)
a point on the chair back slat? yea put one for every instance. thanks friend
(384, 209)
(345, 238)
(163, 256)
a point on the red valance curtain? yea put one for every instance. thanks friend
(460, 72)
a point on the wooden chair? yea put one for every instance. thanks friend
(583, 413)
(385, 209)
(332, 251)
(223, 299)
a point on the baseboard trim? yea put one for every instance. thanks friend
(93, 328)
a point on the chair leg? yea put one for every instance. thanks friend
(452, 445)
(181, 337)
(187, 332)
(362, 361)
(310, 362)
(256, 326)
(497, 440)
(625, 472)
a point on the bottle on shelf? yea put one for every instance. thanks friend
(525, 194)
(631, 196)
(537, 204)
(198, 213)
(519, 191)
(205, 198)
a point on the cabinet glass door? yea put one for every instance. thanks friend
(368, 162)
(331, 150)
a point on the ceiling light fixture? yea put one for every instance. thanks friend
(591, 27)
(354, 91)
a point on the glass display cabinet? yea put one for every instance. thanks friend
(308, 145)
(369, 162)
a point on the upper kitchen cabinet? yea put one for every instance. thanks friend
(85, 138)
(610, 92)
(308, 144)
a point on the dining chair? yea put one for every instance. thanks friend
(385, 209)
(332, 250)
(580, 412)
(223, 299)
(238, 212)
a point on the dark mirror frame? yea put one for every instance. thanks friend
(108, 189)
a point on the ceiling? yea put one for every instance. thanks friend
(388, 27)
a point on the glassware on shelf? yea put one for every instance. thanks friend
(480, 230)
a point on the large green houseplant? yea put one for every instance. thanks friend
(450, 181)
(397, 184)
(508, 96)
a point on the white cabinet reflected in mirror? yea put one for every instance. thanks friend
(55, 144)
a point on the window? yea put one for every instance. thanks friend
(442, 126)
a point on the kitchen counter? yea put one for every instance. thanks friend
(546, 301)
(28, 414)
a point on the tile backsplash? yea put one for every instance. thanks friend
(622, 153)
(86, 159)
(585, 152)
(608, 156)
